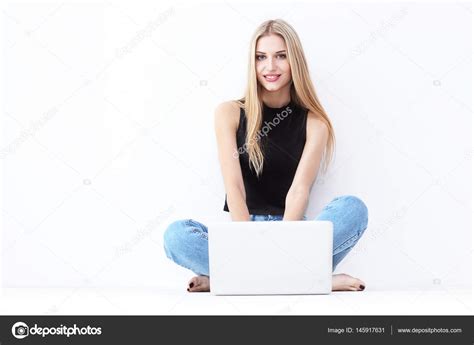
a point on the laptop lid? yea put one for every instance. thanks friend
(273, 257)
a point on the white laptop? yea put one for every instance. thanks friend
(270, 257)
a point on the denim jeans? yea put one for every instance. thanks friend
(186, 243)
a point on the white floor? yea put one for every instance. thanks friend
(170, 301)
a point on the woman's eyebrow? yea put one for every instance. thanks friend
(280, 51)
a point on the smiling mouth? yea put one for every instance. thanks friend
(272, 77)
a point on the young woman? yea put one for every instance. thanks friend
(271, 144)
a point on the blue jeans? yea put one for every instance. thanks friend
(185, 241)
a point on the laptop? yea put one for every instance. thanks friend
(270, 257)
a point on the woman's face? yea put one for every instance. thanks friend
(272, 66)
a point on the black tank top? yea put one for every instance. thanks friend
(283, 136)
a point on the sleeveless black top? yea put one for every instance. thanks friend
(283, 136)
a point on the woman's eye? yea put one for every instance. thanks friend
(279, 56)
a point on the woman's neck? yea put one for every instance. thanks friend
(276, 99)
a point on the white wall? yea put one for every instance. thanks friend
(108, 134)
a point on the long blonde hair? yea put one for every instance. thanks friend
(302, 92)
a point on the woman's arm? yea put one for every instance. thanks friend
(298, 195)
(227, 116)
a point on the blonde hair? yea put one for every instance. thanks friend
(302, 92)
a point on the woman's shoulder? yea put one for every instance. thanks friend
(229, 106)
(228, 112)
(315, 125)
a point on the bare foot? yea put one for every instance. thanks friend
(344, 282)
(199, 284)
(340, 282)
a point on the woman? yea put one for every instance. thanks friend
(271, 143)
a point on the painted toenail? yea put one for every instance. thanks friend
(362, 287)
(191, 285)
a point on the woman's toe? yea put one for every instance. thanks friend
(359, 285)
(192, 284)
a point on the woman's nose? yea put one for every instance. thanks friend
(270, 64)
